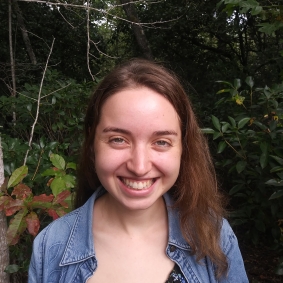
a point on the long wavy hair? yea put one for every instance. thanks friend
(195, 193)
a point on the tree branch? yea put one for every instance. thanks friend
(38, 102)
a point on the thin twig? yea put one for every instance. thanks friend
(55, 90)
(38, 102)
(100, 11)
(88, 40)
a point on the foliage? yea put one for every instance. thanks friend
(27, 210)
(250, 149)
(270, 14)
(61, 112)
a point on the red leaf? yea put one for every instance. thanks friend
(49, 182)
(61, 197)
(21, 191)
(13, 206)
(16, 227)
(60, 211)
(43, 198)
(53, 214)
(33, 223)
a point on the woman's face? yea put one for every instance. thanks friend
(137, 147)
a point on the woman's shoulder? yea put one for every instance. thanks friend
(227, 235)
(73, 223)
(58, 230)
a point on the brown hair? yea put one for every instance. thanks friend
(195, 192)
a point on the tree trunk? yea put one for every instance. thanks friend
(4, 250)
(141, 39)
(24, 32)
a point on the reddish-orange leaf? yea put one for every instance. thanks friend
(61, 197)
(53, 214)
(43, 198)
(13, 206)
(55, 169)
(21, 191)
(16, 227)
(33, 223)
(49, 182)
(60, 211)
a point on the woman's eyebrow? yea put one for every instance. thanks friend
(116, 130)
(165, 133)
(123, 131)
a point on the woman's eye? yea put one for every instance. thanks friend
(117, 140)
(162, 143)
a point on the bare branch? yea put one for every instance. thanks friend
(38, 102)
(12, 57)
(103, 11)
(88, 40)
(55, 90)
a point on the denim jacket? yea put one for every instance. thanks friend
(64, 251)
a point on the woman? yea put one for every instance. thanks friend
(148, 205)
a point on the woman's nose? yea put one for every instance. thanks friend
(139, 162)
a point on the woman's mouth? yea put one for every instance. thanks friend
(137, 185)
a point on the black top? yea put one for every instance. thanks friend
(176, 276)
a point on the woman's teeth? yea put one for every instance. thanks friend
(137, 185)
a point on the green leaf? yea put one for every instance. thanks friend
(224, 82)
(273, 182)
(207, 131)
(237, 83)
(71, 165)
(216, 122)
(29, 107)
(17, 176)
(16, 227)
(236, 189)
(69, 180)
(241, 165)
(58, 161)
(223, 90)
(58, 185)
(216, 135)
(260, 125)
(249, 81)
(276, 195)
(221, 146)
(279, 268)
(278, 159)
(233, 122)
(263, 159)
(225, 127)
(49, 172)
(243, 122)
(257, 10)
(264, 156)
(12, 268)
(276, 169)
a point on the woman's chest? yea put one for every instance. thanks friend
(132, 261)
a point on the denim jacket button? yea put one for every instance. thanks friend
(172, 248)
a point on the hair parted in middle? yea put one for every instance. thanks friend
(195, 193)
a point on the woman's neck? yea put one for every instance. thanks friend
(113, 215)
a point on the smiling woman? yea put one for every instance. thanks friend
(148, 206)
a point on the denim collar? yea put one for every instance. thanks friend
(80, 245)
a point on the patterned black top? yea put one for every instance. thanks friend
(176, 276)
